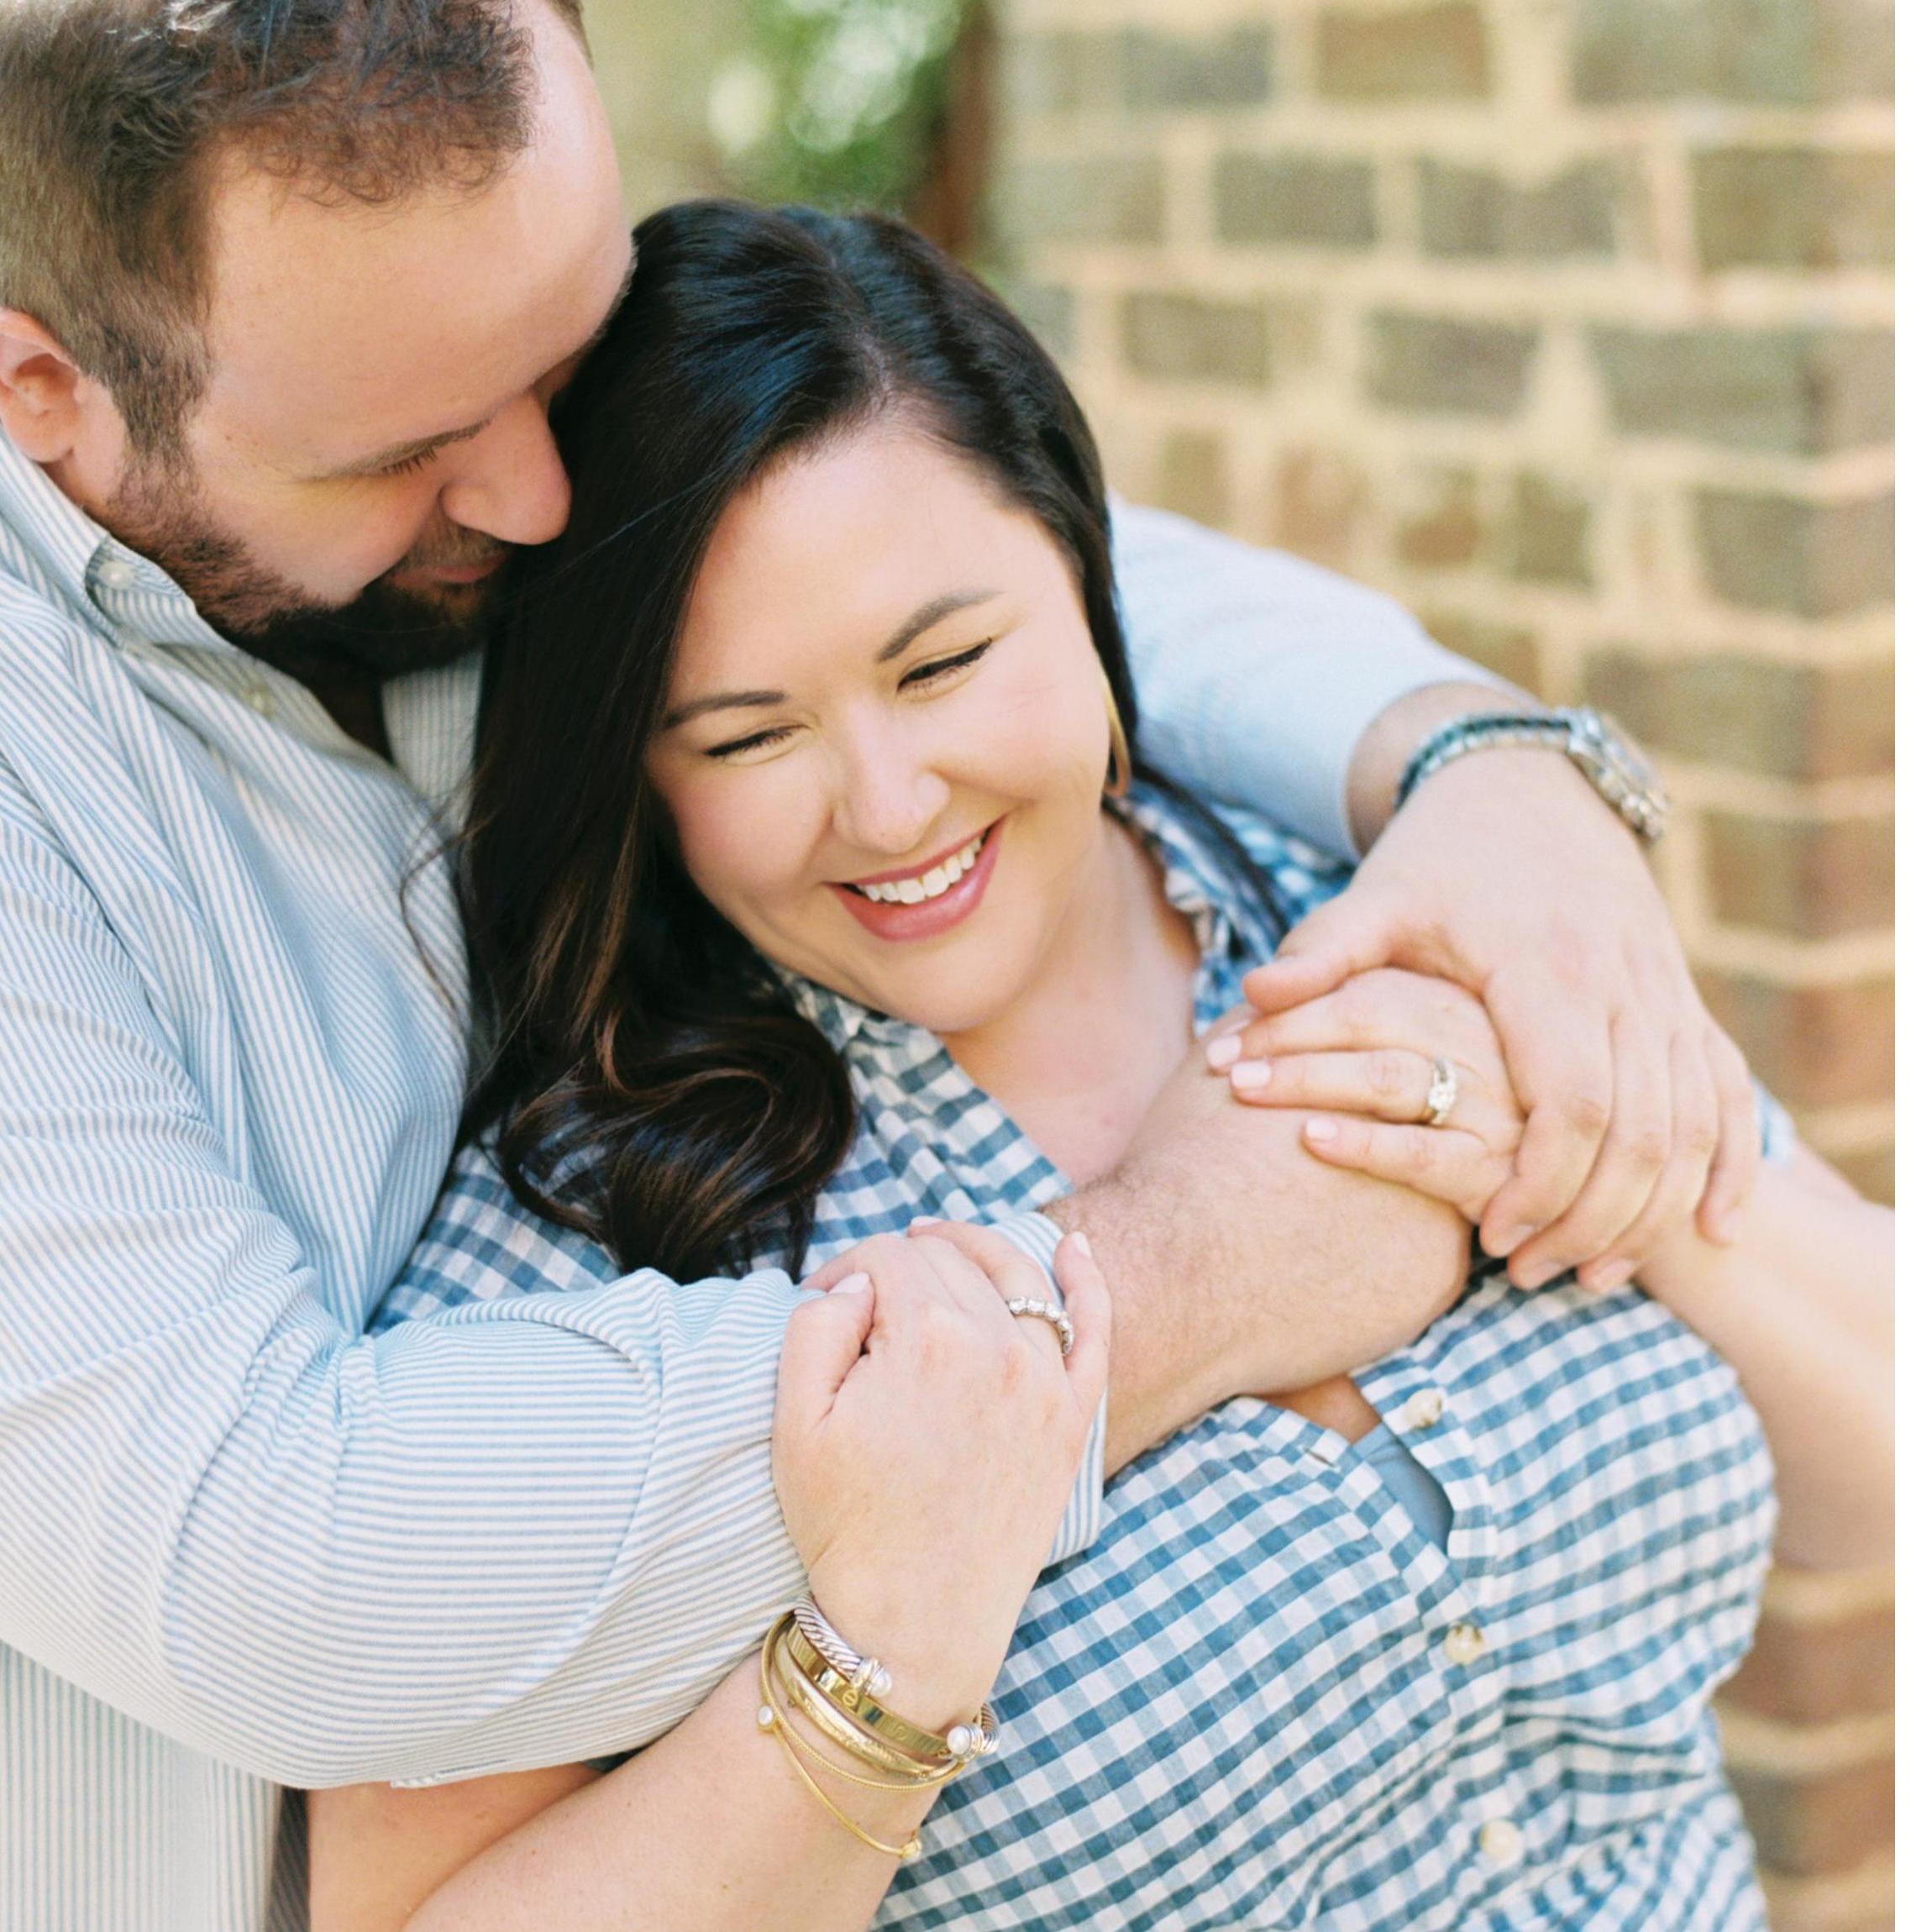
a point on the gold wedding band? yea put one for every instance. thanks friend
(1025, 1308)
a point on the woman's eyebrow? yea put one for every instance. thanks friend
(928, 614)
(934, 611)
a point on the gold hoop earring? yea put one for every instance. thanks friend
(1119, 764)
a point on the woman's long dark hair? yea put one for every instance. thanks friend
(649, 1080)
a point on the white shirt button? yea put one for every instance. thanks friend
(1463, 1643)
(260, 699)
(1501, 1840)
(116, 574)
(1424, 1408)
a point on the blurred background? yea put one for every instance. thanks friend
(1567, 322)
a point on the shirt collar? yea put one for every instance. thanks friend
(91, 568)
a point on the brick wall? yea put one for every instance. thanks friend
(1567, 322)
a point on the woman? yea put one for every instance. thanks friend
(837, 897)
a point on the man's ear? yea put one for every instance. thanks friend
(41, 390)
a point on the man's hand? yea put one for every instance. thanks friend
(1240, 1265)
(1505, 873)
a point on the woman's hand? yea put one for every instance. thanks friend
(925, 1446)
(1504, 873)
(1359, 1060)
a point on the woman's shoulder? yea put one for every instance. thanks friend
(1235, 861)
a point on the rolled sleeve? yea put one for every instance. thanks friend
(1259, 672)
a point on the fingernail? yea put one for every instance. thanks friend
(1320, 1129)
(1608, 1279)
(1537, 1277)
(1248, 1076)
(853, 1285)
(1508, 1241)
(1081, 1243)
(925, 1220)
(1222, 1053)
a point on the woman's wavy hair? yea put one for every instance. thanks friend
(649, 1081)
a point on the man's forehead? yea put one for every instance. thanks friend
(337, 329)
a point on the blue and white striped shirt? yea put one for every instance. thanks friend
(230, 1077)
(1265, 1696)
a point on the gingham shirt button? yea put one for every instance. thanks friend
(1501, 1841)
(1463, 1643)
(1424, 1408)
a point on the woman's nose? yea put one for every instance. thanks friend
(890, 798)
(510, 482)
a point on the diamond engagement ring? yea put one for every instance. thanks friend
(1442, 1086)
(1025, 1306)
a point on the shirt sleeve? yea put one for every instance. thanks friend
(1257, 672)
(522, 1529)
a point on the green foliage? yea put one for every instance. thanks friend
(836, 101)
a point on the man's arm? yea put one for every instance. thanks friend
(524, 1532)
(1260, 675)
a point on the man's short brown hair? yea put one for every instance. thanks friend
(114, 113)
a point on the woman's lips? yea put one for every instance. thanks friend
(931, 916)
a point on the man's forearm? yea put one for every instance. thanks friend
(1238, 1276)
(1382, 753)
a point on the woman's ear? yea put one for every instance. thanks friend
(42, 390)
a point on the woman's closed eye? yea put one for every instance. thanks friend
(753, 741)
(939, 671)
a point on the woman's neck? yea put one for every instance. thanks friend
(1078, 1057)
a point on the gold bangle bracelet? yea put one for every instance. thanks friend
(901, 1781)
(834, 1724)
(886, 1726)
(910, 1849)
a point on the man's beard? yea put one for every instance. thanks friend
(383, 633)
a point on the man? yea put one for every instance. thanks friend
(287, 285)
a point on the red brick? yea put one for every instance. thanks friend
(1507, 650)
(1812, 1046)
(1822, 1821)
(1812, 879)
(1447, 365)
(1415, 53)
(1793, 209)
(1318, 501)
(1785, 721)
(1193, 478)
(1447, 528)
(1814, 559)
(1806, 1672)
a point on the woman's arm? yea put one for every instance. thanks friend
(1800, 1306)
(921, 1430)
(709, 1831)
(1802, 1309)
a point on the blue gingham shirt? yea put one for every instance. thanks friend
(1263, 1697)
(241, 1544)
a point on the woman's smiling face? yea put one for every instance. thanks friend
(886, 736)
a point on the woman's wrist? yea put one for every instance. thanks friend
(942, 1665)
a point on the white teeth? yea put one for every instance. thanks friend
(929, 885)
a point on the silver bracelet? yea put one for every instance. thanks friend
(868, 1676)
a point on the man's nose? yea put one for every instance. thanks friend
(510, 483)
